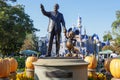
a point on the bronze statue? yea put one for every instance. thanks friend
(54, 28)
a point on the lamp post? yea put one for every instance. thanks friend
(94, 48)
(85, 45)
(95, 41)
(98, 45)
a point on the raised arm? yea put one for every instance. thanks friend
(44, 11)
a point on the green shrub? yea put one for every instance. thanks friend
(21, 63)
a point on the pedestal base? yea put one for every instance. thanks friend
(60, 69)
(29, 72)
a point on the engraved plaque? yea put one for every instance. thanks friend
(59, 74)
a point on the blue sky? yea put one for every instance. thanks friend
(97, 15)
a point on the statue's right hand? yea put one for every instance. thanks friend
(41, 6)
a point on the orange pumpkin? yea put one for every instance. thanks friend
(13, 64)
(29, 62)
(115, 68)
(92, 61)
(107, 64)
(4, 68)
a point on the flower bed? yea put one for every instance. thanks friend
(98, 76)
(22, 76)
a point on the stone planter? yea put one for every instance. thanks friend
(92, 73)
(4, 79)
(29, 72)
(60, 69)
(12, 76)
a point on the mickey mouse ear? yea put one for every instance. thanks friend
(70, 29)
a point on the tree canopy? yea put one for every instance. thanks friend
(29, 43)
(14, 25)
(116, 27)
(107, 36)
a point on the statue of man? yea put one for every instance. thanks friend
(54, 28)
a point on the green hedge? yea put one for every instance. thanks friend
(21, 62)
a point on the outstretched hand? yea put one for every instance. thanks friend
(41, 6)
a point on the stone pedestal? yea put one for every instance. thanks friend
(29, 72)
(60, 69)
(92, 73)
(12, 76)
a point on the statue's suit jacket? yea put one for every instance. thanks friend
(55, 21)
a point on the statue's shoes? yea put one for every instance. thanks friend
(48, 55)
(57, 55)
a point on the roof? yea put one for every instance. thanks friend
(106, 52)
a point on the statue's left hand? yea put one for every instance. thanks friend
(65, 31)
